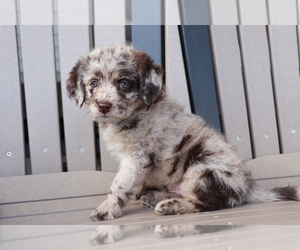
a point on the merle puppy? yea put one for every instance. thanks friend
(193, 168)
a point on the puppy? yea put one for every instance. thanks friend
(192, 167)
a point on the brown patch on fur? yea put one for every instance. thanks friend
(175, 165)
(215, 195)
(287, 193)
(102, 216)
(121, 202)
(185, 140)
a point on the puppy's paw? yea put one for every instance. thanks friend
(106, 211)
(166, 231)
(148, 201)
(169, 207)
(106, 234)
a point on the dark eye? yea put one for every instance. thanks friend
(93, 83)
(124, 85)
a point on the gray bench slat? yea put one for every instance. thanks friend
(78, 126)
(41, 98)
(72, 12)
(231, 88)
(285, 63)
(108, 35)
(8, 12)
(12, 156)
(175, 75)
(282, 12)
(109, 12)
(33, 12)
(253, 12)
(258, 84)
(223, 12)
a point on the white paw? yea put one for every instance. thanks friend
(106, 211)
(106, 234)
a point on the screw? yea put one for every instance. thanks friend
(239, 138)
(45, 150)
(8, 153)
(267, 136)
(293, 131)
(81, 149)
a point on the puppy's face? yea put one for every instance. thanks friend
(116, 82)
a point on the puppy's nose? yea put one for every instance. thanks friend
(104, 107)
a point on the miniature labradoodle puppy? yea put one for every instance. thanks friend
(192, 167)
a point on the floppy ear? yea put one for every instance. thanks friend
(75, 87)
(151, 83)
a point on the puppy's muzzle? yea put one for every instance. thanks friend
(104, 107)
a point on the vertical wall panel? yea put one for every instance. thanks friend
(41, 98)
(175, 75)
(199, 69)
(195, 12)
(12, 156)
(8, 12)
(223, 12)
(285, 63)
(72, 12)
(109, 12)
(231, 89)
(253, 12)
(258, 83)
(36, 12)
(108, 35)
(78, 125)
(282, 12)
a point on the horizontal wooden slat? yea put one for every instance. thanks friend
(73, 12)
(194, 12)
(146, 12)
(275, 166)
(223, 12)
(109, 12)
(54, 186)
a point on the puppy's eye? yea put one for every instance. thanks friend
(93, 83)
(124, 85)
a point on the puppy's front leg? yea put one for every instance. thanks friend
(127, 182)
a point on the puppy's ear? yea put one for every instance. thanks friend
(75, 87)
(151, 83)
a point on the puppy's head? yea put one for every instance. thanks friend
(116, 82)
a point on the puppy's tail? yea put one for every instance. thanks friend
(288, 193)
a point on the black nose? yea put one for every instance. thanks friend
(104, 107)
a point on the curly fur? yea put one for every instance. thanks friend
(158, 145)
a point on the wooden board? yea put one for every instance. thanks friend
(41, 98)
(36, 12)
(78, 125)
(175, 75)
(12, 153)
(285, 69)
(259, 90)
(8, 12)
(252, 12)
(282, 12)
(73, 12)
(109, 12)
(223, 12)
(231, 88)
